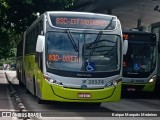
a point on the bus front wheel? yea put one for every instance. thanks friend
(39, 100)
(96, 104)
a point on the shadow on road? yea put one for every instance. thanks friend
(140, 95)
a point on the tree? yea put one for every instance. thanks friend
(21, 13)
(4, 37)
(4, 51)
(17, 15)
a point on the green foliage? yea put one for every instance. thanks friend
(4, 45)
(3, 7)
(17, 15)
(21, 13)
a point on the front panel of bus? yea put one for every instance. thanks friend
(139, 66)
(83, 64)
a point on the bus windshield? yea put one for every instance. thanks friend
(140, 57)
(92, 52)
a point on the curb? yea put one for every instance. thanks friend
(21, 107)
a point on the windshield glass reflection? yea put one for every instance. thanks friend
(82, 52)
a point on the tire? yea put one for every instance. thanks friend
(39, 101)
(26, 90)
(20, 83)
(34, 87)
(96, 104)
(17, 74)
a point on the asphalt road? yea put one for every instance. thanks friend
(133, 106)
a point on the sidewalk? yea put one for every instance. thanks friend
(5, 99)
(12, 77)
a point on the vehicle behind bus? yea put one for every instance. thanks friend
(155, 28)
(140, 62)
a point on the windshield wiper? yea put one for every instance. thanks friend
(72, 40)
(95, 43)
(110, 23)
(98, 38)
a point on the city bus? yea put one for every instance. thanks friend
(73, 57)
(155, 28)
(140, 62)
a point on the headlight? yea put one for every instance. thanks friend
(52, 81)
(115, 83)
(153, 79)
(112, 83)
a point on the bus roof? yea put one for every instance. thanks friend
(72, 13)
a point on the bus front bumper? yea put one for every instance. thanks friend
(128, 87)
(58, 93)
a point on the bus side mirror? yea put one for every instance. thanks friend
(40, 43)
(125, 47)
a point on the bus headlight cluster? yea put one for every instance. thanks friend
(52, 81)
(111, 83)
(153, 79)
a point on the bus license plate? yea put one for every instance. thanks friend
(131, 89)
(84, 95)
(93, 82)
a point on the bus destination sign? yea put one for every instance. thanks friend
(80, 22)
(77, 21)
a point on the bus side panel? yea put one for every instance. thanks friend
(28, 60)
(157, 88)
(33, 76)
